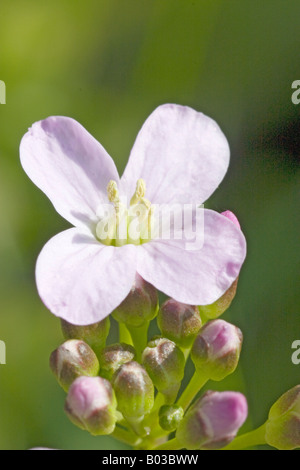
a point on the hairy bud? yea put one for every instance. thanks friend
(94, 335)
(134, 390)
(283, 425)
(170, 417)
(113, 357)
(216, 349)
(179, 322)
(139, 306)
(73, 359)
(165, 363)
(91, 405)
(217, 308)
(213, 421)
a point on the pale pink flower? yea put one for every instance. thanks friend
(180, 156)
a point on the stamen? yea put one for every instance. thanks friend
(112, 191)
(126, 226)
(140, 192)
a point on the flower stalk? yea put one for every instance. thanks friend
(249, 439)
(124, 334)
(192, 389)
(139, 338)
(126, 437)
(172, 444)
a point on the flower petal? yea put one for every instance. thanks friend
(69, 166)
(181, 154)
(81, 280)
(195, 277)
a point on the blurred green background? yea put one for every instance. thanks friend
(108, 64)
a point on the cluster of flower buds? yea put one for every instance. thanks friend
(133, 389)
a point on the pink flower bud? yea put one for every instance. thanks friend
(91, 405)
(134, 390)
(94, 335)
(73, 359)
(217, 308)
(230, 215)
(216, 349)
(112, 357)
(139, 306)
(213, 421)
(179, 322)
(164, 362)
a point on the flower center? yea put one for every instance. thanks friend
(121, 225)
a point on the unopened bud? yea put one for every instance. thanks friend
(139, 306)
(216, 349)
(94, 335)
(134, 390)
(179, 322)
(113, 357)
(283, 425)
(217, 308)
(170, 417)
(165, 363)
(213, 421)
(231, 216)
(91, 405)
(73, 359)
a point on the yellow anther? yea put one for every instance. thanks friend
(112, 191)
(140, 192)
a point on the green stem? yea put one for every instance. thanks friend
(159, 401)
(249, 439)
(151, 443)
(125, 436)
(194, 386)
(124, 335)
(186, 352)
(137, 425)
(204, 318)
(139, 336)
(173, 444)
(151, 420)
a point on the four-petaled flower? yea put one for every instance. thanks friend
(179, 157)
